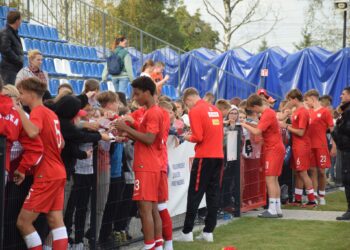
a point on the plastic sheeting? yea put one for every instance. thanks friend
(238, 72)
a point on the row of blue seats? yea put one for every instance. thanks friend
(77, 86)
(93, 70)
(38, 31)
(35, 31)
(62, 50)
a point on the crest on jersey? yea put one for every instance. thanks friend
(319, 115)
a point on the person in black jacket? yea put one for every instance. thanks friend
(341, 137)
(11, 48)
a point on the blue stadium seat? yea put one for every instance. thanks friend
(95, 70)
(44, 48)
(128, 92)
(52, 48)
(77, 86)
(28, 43)
(73, 52)
(169, 91)
(80, 52)
(47, 33)
(50, 66)
(100, 69)
(44, 66)
(23, 29)
(54, 34)
(88, 70)
(73, 67)
(86, 53)
(40, 32)
(53, 86)
(80, 68)
(3, 11)
(103, 86)
(32, 30)
(25, 62)
(93, 53)
(59, 49)
(2, 23)
(36, 44)
(66, 50)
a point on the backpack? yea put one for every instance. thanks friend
(115, 64)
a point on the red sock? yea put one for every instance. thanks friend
(149, 244)
(60, 238)
(310, 194)
(36, 248)
(159, 242)
(298, 194)
(167, 224)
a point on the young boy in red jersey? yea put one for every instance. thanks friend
(273, 151)
(47, 192)
(301, 147)
(320, 121)
(167, 224)
(207, 132)
(148, 161)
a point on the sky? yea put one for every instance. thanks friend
(286, 32)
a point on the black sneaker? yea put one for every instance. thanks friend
(267, 214)
(345, 216)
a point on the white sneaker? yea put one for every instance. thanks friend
(185, 237)
(205, 236)
(322, 201)
(79, 246)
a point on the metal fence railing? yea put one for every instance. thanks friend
(82, 23)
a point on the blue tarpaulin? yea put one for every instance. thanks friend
(238, 72)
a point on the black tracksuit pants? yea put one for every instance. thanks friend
(204, 179)
(345, 161)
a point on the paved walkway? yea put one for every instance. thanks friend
(289, 214)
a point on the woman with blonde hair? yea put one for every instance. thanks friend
(35, 59)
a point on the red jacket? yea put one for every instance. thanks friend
(207, 130)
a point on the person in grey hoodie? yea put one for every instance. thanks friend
(122, 80)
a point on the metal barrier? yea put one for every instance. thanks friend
(79, 22)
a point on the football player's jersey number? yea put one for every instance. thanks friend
(137, 185)
(323, 159)
(58, 134)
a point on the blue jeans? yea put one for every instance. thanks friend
(120, 84)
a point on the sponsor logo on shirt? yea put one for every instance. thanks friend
(216, 122)
(213, 114)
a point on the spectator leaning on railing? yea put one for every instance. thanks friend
(11, 48)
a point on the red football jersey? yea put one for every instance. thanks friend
(320, 121)
(165, 133)
(137, 115)
(51, 166)
(300, 120)
(147, 158)
(10, 125)
(207, 130)
(271, 132)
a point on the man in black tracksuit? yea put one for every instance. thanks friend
(341, 136)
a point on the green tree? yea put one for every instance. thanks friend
(195, 31)
(306, 42)
(263, 46)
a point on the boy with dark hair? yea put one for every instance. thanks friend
(273, 151)
(148, 161)
(320, 121)
(301, 147)
(47, 192)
